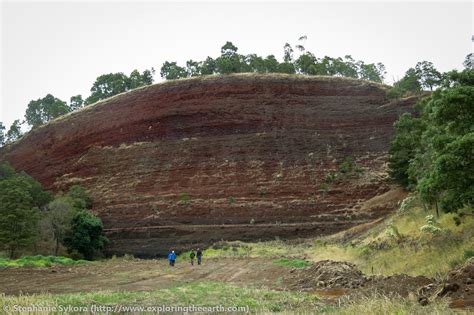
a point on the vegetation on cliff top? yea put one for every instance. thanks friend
(295, 61)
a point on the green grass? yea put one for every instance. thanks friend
(215, 293)
(39, 261)
(430, 255)
(195, 293)
(295, 263)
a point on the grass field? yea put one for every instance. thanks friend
(214, 293)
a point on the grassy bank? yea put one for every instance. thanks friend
(382, 249)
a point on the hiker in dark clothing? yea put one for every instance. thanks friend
(172, 258)
(199, 256)
(192, 255)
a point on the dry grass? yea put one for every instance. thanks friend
(382, 248)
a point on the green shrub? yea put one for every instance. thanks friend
(39, 261)
(185, 198)
(468, 253)
(86, 235)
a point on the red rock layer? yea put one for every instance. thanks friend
(189, 162)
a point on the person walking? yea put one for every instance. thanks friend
(172, 258)
(192, 255)
(199, 256)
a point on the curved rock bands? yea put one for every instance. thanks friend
(222, 151)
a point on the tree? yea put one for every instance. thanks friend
(137, 80)
(76, 102)
(306, 64)
(171, 71)
(86, 235)
(229, 61)
(45, 109)
(438, 156)
(469, 61)
(193, 68)
(208, 66)
(287, 53)
(372, 72)
(286, 67)
(408, 85)
(59, 217)
(228, 49)
(271, 64)
(403, 148)
(108, 85)
(79, 197)
(14, 133)
(18, 215)
(302, 41)
(256, 63)
(450, 115)
(2, 135)
(428, 76)
(348, 67)
(6, 171)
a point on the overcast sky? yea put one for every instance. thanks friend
(61, 47)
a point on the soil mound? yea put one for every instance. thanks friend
(328, 274)
(459, 287)
(331, 274)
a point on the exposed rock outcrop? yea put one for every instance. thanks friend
(189, 162)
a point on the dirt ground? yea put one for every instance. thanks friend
(140, 275)
(459, 287)
(328, 279)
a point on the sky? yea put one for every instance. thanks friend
(61, 47)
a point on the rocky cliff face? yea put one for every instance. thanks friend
(189, 162)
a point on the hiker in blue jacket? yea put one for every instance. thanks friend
(172, 258)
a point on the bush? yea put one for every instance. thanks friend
(185, 198)
(431, 225)
(468, 253)
(86, 235)
(407, 204)
(39, 261)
